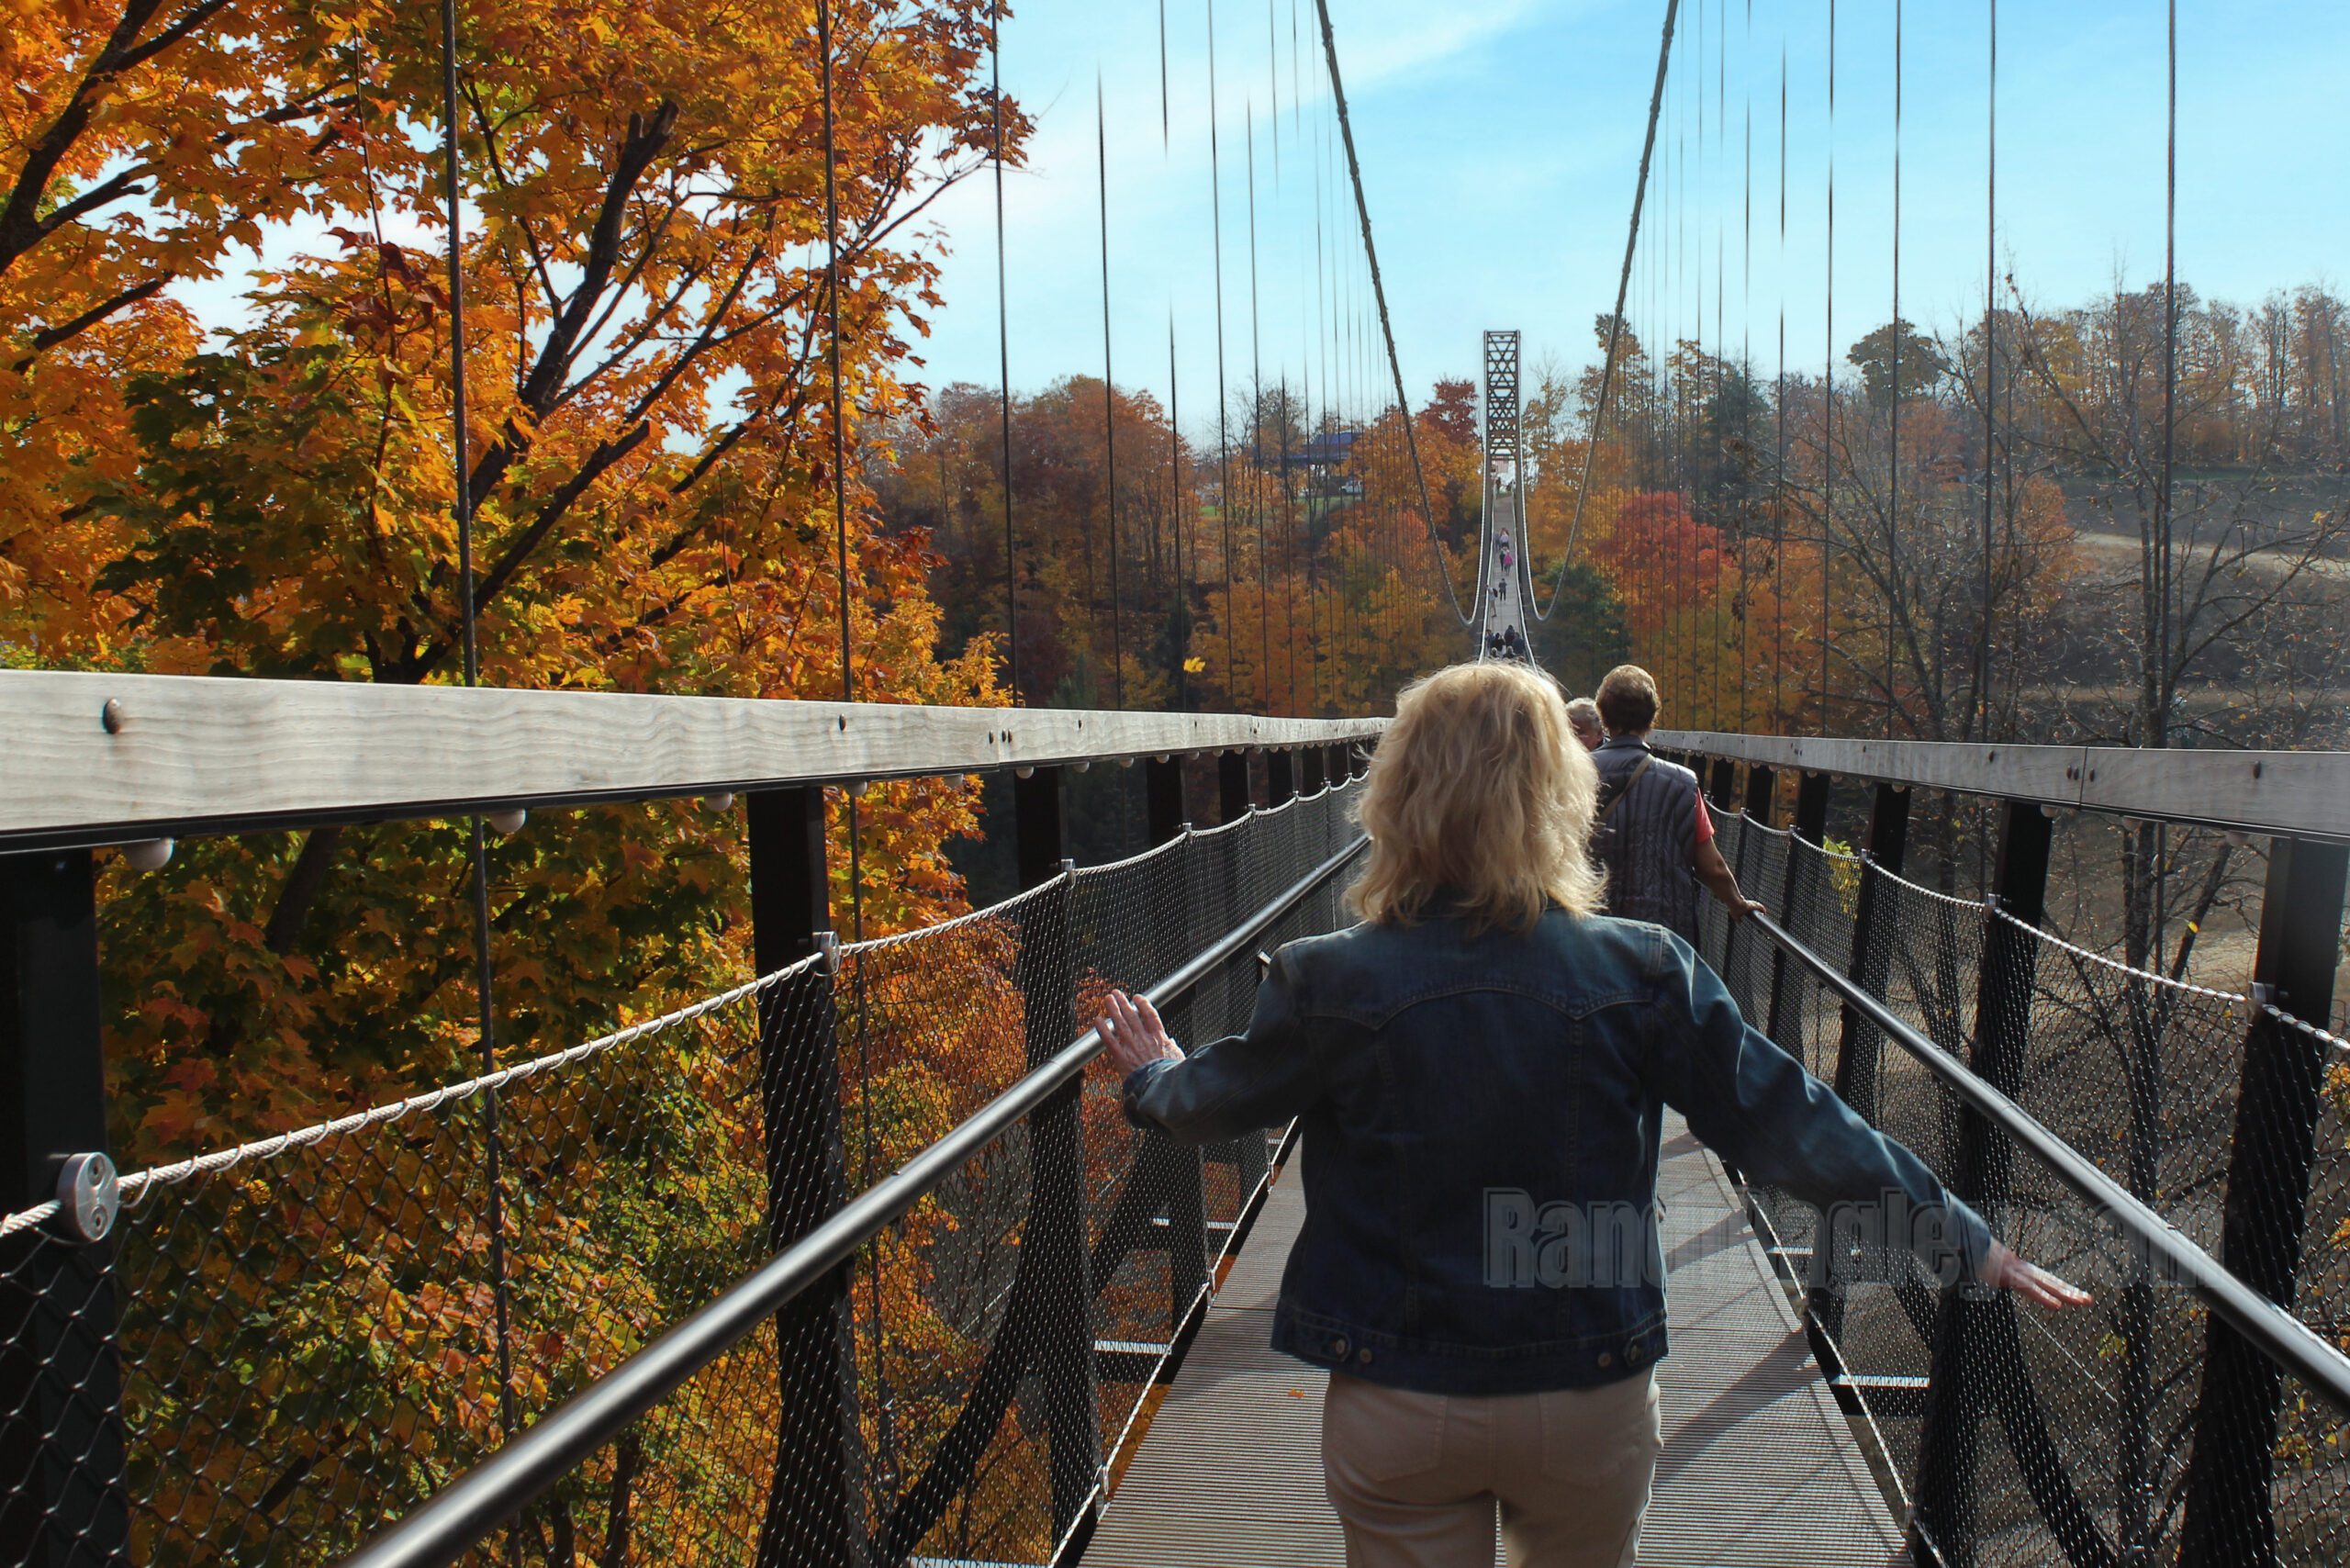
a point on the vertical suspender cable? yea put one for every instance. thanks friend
(1701, 370)
(849, 665)
(1893, 467)
(1990, 368)
(1004, 362)
(1178, 515)
(1306, 337)
(1615, 321)
(1297, 88)
(1109, 406)
(832, 357)
(1266, 521)
(1721, 342)
(1326, 426)
(2170, 431)
(1746, 381)
(1274, 85)
(1222, 395)
(2161, 735)
(2170, 392)
(460, 469)
(1178, 512)
(1312, 593)
(1341, 377)
(1779, 459)
(1288, 528)
(1257, 427)
(1828, 387)
(1683, 563)
(1378, 296)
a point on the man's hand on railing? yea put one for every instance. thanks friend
(1133, 1034)
(2002, 1269)
(1705, 860)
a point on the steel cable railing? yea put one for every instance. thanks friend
(2284, 1338)
(472, 1507)
(2105, 1436)
(292, 1334)
(134, 1186)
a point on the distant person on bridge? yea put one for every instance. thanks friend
(1582, 713)
(1481, 1068)
(1655, 838)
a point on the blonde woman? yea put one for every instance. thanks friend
(1481, 1066)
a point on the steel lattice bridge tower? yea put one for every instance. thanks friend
(1504, 581)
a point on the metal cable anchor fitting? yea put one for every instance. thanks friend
(88, 1198)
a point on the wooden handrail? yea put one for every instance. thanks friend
(95, 758)
(2298, 794)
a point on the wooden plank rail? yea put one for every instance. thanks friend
(2301, 794)
(96, 759)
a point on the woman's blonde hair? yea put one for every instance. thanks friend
(1479, 791)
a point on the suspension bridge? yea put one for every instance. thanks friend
(855, 1262)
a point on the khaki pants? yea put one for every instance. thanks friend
(1417, 1477)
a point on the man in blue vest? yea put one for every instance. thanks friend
(1654, 836)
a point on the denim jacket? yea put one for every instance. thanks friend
(1480, 1118)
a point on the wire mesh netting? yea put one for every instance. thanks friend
(2109, 1436)
(281, 1349)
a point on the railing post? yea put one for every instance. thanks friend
(1162, 785)
(62, 1450)
(1055, 1239)
(1341, 766)
(1314, 763)
(1761, 783)
(1721, 784)
(1245, 1154)
(1859, 1045)
(1280, 778)
(1811, 826)
(1232, 787)
(1177, 1168)
(2229, 1515)
(1961, 1388)
(815, 1509)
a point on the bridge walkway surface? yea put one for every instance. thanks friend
(1759, 1466)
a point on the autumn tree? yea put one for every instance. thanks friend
(648, 465)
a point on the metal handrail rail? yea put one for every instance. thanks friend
(469, 1508)
(2279, 1335)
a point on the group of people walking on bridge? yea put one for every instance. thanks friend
(1481, 1067)
(1508, 642)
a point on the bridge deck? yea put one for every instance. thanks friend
(1759, 1467)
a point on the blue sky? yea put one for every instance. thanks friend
(1500, 143)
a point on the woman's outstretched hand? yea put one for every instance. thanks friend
(2002, 1269)
(1132, 1032)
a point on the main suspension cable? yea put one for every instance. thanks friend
(1615, 321)
(1386, 328)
